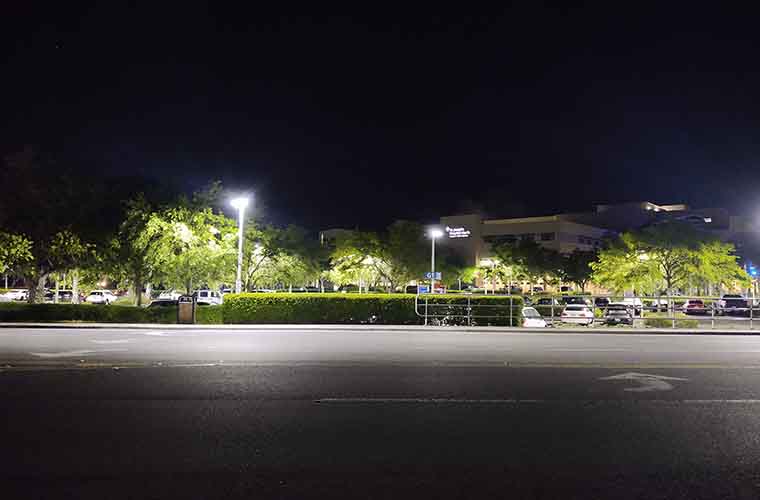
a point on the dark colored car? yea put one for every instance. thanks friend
(163, 303)
(733, 305)
(601, 302)
(584, 301)
(618, 314)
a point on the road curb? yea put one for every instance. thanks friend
(375, 328)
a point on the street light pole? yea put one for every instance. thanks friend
(434, 235)
(240, 204)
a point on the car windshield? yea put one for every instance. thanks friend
(529, 312)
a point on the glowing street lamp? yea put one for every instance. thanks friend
(434, 233)
(240, 203)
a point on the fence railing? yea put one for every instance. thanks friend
(666, 311)
(468, 310)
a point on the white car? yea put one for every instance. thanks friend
(577, 314)
(169, 295)
(532, 318)
(17, 294)
(208, 298)
(100, 297)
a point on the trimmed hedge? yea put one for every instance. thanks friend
(668, 323)
(383, 309)
(86, 312)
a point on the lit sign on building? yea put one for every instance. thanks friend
(458, 232)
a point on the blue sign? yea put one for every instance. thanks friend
(435, 276)
(423, 289)
(752, 271)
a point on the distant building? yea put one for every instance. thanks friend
(472, 236)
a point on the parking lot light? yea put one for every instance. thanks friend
(240, 203)
(434, 233)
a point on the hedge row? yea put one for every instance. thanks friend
(292, 308)
(101, 314)
(383, 309)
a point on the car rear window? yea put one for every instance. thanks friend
(574, 307)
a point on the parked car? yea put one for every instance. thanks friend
(586, 301)
(566, 289)
(532, 319)
(694, 306)
(657, 305)
(538, 289)
(635, 304)
(733, 305)
(618, 314)
(170, 295)
(577, 314)
(208, 298)
(100, 297)
(163, 303)
(17, 294)
(547, 301)
(601, 302)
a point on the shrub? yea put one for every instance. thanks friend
(85, 312)
(668, 323)
(338, 308)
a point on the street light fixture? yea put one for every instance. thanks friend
(240, 204)
(434, 233)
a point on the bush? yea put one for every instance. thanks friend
(86, 312)
(338, 308)
(668, 323)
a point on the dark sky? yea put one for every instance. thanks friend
(362, 118)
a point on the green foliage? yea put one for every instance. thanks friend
(668, 323)
(15, 251)
(389, 260)
(667, 257)
(337, 308)
(10, 312)
(86, 312)
(576, 267)
(281, 257)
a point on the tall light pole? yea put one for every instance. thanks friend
(435, 233)
(240, 203)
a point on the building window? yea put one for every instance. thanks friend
(547, 236)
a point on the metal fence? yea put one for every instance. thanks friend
(467, 310)
(673, 311)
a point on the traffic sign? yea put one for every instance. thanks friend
(434, 276)
(423, 289)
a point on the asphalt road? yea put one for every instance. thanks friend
(115, 413)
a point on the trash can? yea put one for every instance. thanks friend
(186, 310)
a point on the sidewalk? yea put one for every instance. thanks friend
(375, 328)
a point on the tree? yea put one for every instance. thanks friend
(529, 259)
(576, 267)
(666, 257)
(15, 251)
(134, 254)
(193, 246)
(68, 253)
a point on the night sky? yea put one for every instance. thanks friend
(359, 119)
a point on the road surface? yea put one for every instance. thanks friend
(302, 413)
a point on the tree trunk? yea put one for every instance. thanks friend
(149, 291)
(37, 290)
(57, 289)
(75, 286)
(137, 287)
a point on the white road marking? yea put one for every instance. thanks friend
(648, 382)
(117, 341)
(154, 333)
(436, 401)
(66, 354)
(590, 350)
